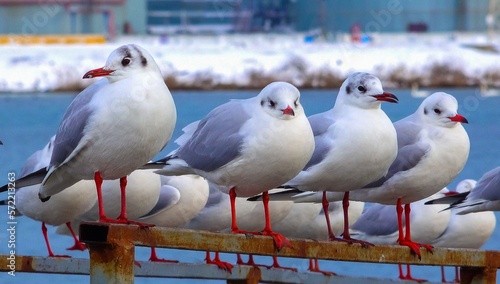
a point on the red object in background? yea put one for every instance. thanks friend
(356, 33)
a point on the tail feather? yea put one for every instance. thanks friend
(175, 167)
(28, 180)
(284, 193)
(452, 200)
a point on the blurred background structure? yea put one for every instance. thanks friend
(112, 17)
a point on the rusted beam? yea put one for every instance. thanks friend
(261, 245)
(112, 263)
(239, 274)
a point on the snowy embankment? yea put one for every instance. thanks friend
(252, 61)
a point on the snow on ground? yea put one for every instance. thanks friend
(251, 61)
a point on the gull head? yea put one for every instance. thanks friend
(123, 62)
(441, 109)
(364, 90)
(281, 100)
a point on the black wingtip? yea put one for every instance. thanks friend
(254, 198)
(43, 199)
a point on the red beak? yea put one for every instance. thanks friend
(386, 97)
(450, 193)
(459, 118)
(99, 72)
(288, 110)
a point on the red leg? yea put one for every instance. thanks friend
(49, 249)
(78, 245)
(277, 265)
(98, 185)
(346, 235)
(457, 275)
(443, 276)
(155, 257)
(234, 224)
(122, 219)
(279, 240)
(314, 267)
(123, 186)
(221, 264)
(410, 277)
(415, 247)
(326, 204)
(399, 212)
(401, 273)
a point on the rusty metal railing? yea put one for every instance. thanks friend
(112, 246)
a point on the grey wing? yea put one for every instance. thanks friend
(488, 187)
(168, 197)
(187, 133)
(217, 140)
(377, 220)
(408, 157)
(319, 124)
(38, 160)
(75, 119)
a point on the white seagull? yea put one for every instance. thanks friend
(249, 147)
(468, 230)
(355, 144)
(432, 150)
(61, 209)
(112, 127)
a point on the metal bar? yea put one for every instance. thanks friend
(240, 273)
(262, 245)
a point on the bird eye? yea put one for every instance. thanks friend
(437, 111)
(296, 103)
(272, 103)
(125, 61)
(361, 89)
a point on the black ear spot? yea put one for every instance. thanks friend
(348, 89)
(144, 61)
(425, 111)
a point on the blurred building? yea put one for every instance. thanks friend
(221, 16)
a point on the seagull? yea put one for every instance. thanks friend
(61, 209)
(112, 127)
(433, 147)
(465, 231)
(248, 147)
(355, 144)
(484, 197)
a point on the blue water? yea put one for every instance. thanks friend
(27, 121)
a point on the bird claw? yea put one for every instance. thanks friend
(351, 241)
(125, 221)
(221, 264)
(415, 247)
(156, 259)
(78, 246)
(279, 240)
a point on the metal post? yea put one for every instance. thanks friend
(111, 259)
(475, 275)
